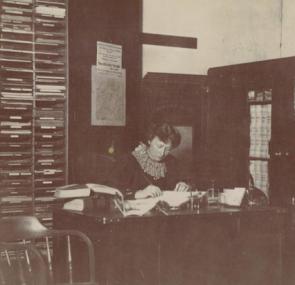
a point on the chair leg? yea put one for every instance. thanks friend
(20, 268)
(2, 277)
(49, 261)
(70, 265)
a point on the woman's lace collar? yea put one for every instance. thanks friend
(156, 169)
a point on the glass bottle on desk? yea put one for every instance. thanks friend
(211, 192)
(191, 201)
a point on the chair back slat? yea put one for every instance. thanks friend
(2, 277)
(49, 260)
(28, 258)
(7, 257)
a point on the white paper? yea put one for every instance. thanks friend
(109, 57)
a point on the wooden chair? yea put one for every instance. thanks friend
(24, 263)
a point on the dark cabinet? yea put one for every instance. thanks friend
(251, 126)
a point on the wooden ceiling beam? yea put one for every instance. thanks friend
(167, 40)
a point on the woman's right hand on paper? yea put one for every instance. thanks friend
(149, 191)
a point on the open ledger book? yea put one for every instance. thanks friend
(80, 192)
(172, 199)
(137, 207)
(84, 190)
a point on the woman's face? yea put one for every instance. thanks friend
(158, 150)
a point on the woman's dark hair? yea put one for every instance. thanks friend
(165, 132)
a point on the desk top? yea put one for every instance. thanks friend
(209, 211)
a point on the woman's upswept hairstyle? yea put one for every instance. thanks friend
(164, 131)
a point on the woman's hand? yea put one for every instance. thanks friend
(149, 191)
(181, 187)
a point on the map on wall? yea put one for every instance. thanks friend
(108, 100)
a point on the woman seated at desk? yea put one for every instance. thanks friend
(150, 168)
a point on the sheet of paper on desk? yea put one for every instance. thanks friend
(172, 198)
(176, 199)
(139, 207)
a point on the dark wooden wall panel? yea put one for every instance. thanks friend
(112, 21)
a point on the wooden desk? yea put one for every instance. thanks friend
(215, 245)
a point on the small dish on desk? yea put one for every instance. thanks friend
(233, 197)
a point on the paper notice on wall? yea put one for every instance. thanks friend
(108, 98)
(109, 57)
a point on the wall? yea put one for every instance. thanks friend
(288, 28)
(228, 32)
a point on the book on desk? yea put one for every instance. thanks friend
(84, 190)
(80, 197)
